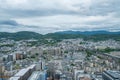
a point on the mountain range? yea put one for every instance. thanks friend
(92, 35)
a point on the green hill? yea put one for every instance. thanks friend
(23, 35)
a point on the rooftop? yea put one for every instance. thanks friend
(115, 74)
(21, 72)
(14, 78)
(34, 76)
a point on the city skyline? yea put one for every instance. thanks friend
(56, 15)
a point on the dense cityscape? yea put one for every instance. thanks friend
(59, 39)
(69, 59)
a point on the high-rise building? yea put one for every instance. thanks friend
(81, 75)
(10, 57)
(23, 74)
(111, 75)
(2, 69)
(38, 75)
(8, 66)
(40, 65)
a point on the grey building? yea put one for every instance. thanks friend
(111, 75)
(38, 75)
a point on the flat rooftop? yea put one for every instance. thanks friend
(14, 78)
(115, 74)
(21, 72)
(35, 75)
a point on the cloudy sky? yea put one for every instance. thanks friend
(46, 16)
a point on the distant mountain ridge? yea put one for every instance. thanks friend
(20, 35)
(87, 35)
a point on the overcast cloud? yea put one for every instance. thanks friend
(46, 16)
